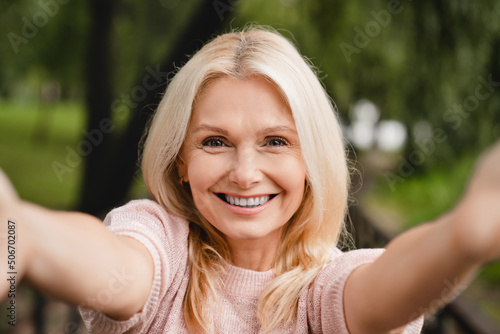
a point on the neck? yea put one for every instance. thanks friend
(253, 255)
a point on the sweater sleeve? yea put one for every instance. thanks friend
(165, 237)
(326, 300)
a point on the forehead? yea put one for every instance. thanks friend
(250, 101)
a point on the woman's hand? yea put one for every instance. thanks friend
(486, 177)
(477, 214)
(8, 195)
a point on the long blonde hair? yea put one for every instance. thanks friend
(314, 229)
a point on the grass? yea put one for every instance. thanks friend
(32, 138)
(34, 144)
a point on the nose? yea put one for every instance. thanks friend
(244, 168)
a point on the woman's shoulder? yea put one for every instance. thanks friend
(165, 236)
(145, 214)
(325, 295)
(143, 205)
(343, 263)
(356, 255)
(326, 292)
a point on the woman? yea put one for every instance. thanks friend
(246, 165)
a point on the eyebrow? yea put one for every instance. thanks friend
(211, 128)
(279, 128)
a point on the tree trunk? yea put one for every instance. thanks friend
(92, 147)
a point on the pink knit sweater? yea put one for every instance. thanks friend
(320, 308)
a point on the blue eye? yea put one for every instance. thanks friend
(277, 141)
(213, 142)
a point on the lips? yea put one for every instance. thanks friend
(245, 202)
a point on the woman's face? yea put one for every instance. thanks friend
(242, 160)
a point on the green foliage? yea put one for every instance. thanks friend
(144, 33)
(415, 60)
(41, 43)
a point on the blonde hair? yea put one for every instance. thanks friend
(314, 229)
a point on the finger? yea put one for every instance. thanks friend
(7, 190)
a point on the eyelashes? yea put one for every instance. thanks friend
(272, 141)
(277, 141)
(214, 142)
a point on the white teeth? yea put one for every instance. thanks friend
(246, 202)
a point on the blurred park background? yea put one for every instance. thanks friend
(416, 84)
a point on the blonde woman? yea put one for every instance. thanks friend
(246, 164)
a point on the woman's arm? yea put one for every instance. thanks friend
(429, 265)
(73, 257)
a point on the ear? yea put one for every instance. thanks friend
(182, 169)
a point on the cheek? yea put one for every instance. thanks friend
(297, 187)
(202, 167)
(203, 172)
(291, 176)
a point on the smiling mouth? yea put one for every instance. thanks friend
(251, 202)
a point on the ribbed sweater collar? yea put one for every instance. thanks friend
(245, 282)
